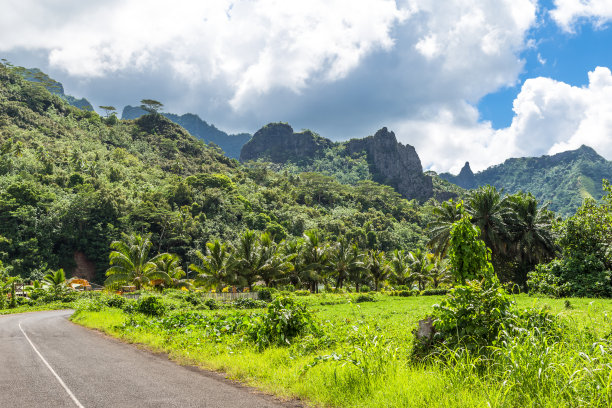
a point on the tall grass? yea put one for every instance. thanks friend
(361, 357)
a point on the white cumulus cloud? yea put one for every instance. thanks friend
(550, 117)
(568, 12)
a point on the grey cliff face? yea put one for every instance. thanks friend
(394, 164)
(278, 143)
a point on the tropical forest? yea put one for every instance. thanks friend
(327, 274)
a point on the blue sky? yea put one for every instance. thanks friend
(560, 55)
(477, 80)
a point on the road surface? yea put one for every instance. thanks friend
(47, 361)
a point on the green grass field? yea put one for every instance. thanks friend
(361, 358)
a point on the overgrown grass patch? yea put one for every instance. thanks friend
(360, 357)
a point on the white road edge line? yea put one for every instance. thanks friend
(63, 384)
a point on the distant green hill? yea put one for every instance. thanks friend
(230, 144)
(53, 86)
(564, 179)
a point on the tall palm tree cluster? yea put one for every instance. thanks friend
(516, 230)
(306, 263)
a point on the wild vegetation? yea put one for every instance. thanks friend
(344, 268)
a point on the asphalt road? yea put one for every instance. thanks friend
(47, 361)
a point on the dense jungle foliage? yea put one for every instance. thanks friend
(73, 182)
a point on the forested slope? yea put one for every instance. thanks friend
(71, 182)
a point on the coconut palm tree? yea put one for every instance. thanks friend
(171, 265)
(378, 267)
(445, 215)
(493, 214)
(56, 279)
(217, 265)
(130, 262)
(314, 260)
(344, 257)
(533, 239)
(420, 266)
(400, 266)
(440, 272)
(247, 258)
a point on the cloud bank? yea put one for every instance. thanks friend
(340, 67)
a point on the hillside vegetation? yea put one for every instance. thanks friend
(71, 182)
(564, 180)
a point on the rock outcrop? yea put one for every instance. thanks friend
(394, 164)
(276, 142)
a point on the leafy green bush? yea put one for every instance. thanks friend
(434, 292)
(544, 281)
(212, 304)
(364, 298)
(150, 305)
(115, 300)
(471, 316)
(302, 292)
(265, 294)
(284, 320)
(247, 303)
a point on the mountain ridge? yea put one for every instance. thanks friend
(564, 179)
(209, 133)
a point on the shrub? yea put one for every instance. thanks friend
(543, 280)
(284, 320)
(471, 315)
(364, 298)
(302, 292)
(289, 288)
(151, 305)
(265, 294)
(212, 304)
(115, 301)
(434, 292)
(248, 303)
(404, 293)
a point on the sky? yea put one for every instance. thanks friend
(460, 80)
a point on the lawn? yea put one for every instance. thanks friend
(361, 355)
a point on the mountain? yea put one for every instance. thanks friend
(564, 179)
(53, 86)
(388, 162)
(230, 144)
(72, 182)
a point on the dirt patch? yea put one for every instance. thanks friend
(85, 268)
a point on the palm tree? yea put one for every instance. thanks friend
(56, 279)
(247, 258)
(400, 265)
(171, 265)
(344, 258)
(420, 266)
(217, 267)
(293, 250)
(439, 230)
(533, 239)
(130, 262)
(378, 267)
(314, 260)
(493, 214)
(274, 264)
(440, 271)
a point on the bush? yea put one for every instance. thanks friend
(364, 298)
(151, 305)
(289, 288)
(471, 316)
(544, 281)
(302, 292)
(265, 294)
(114, 300)
(248, 303)
(284, 320)
(434, 292)
(404, 293)
(212, 304)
